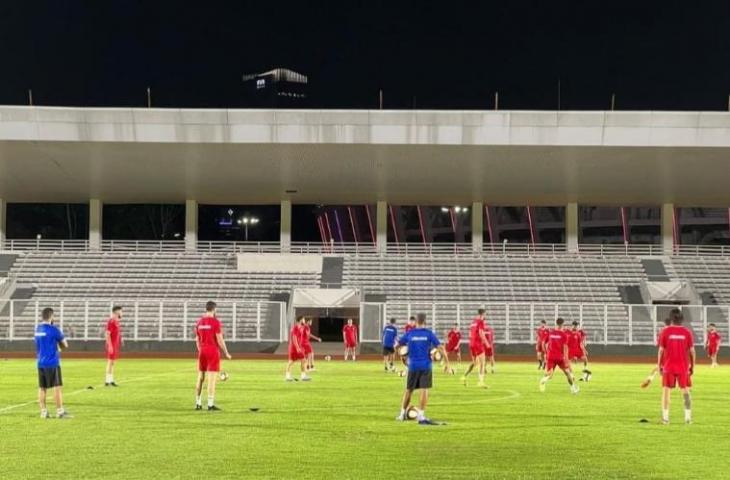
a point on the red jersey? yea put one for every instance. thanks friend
(297, 331)
(350, 332)
(477, 326)
(453, 339)
(556, 342)
(489, 331)
(206, 330)
(409, 327)
(575, 340)
(305, 334)
(713, 339)
(541, 334)
(676, 341)
(115, 332)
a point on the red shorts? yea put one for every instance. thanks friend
(476, 349)
(452, 348)
(538, 348)
(112, 356)
(209, 360)
(575, 354)
(489, 352)
(671, 380)
(552, 363)
(295, 355)
(712, 350)
(350, 344)
(307, 348)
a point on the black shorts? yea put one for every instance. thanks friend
(418, 379)
(50, 377)
(388, 350)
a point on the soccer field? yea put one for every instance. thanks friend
(342, 425)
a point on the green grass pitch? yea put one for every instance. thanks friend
(342, 425)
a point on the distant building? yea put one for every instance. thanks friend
(279, 87)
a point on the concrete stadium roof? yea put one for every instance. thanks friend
(122, 155)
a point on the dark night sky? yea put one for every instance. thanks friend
(654, 55)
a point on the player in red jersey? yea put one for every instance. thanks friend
(540, 338)
(556, 351)
(410, 325)
(478, 344)
(489, 350)
(647, 381)
(676, 359)
(453, 342)
(349, 337)
(308, 350)
(209, 340)
(296, 350)
(577, 349)
(712, 344)
(112, 344)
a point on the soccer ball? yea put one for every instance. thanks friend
(327, 358)
(411, 413)
(402, 350)
(436, 355)
(402, 373)
(223, 376)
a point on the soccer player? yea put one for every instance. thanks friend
(410, 325)
(577, 349)
(420, 341)
(556, 351)
(209, 340)
(453, 342)
(712, 344)
(478, 344)
(676, 359)
(390, 337)
(349, 337)
(308, 350)
(647, 381)
(489, 350)
(296, 350)
(49, 340)
(113, 343)
(540, 338)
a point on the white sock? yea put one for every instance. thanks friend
(304, 374)
(402, 412)
(421, 415)
(44, 412)
(198, 401)
(211, 401)
(109, 378)
(60, 411)
(665, 414)
(687, 415)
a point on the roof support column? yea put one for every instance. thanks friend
(285, 226)
(668, 228)
(3, 222)
(382, 226)
(191, 225)
(477, 226)
(571, 227)
(95, 222)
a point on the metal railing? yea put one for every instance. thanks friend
(513, 323)
(144, 320)
(350, 248)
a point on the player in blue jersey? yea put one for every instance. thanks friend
(420, 341)
(390, 337)
(48, 341)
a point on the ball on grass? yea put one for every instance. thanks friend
(411, 413)
(223, 376)
(327, 358)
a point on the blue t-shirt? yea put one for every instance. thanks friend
(420, 341)
(47, 337)
(390, 332)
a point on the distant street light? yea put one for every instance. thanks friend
(246, 221)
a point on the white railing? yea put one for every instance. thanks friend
(349, 248)
(144, 320)
(514, 323)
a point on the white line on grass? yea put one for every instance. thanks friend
(76, 392)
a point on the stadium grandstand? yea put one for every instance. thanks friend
(618, 285)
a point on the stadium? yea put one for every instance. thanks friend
(280, 288)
